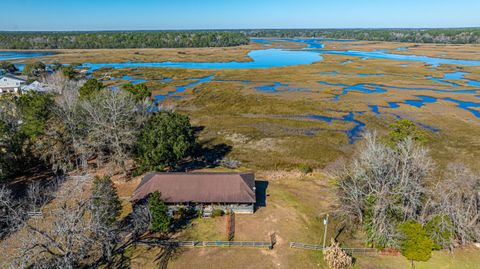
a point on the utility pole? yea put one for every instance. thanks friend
(325, 224)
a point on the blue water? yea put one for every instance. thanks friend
(311, 43)
(271, 88)
(466, 105)
(166, 80)
(353, 134)
(364, 88)
(401, 57)
(182, 88)
(329, 73)
(264, 58)
(473, 83)
(260, 59)
(133, 80)
(11, 55)
(423, 100)
(370, 75)
(455, 76)
(359, 75)
(443, 81)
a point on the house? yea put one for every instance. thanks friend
(203, 191)
(35, 86)
(11, 84)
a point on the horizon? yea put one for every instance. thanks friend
(238, 29)
(150, 15)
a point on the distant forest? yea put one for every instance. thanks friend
(222, 38)
(445, 36)
(120, 40)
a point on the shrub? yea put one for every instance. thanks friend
(140, 91)
(440, 229)
(217, 212)
(401, 129)
(304, 168)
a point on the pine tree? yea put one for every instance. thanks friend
(106, 205)
(90, 88)
(415, 243)
(160, 221)
(166, 139)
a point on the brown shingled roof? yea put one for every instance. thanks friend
(198, 187)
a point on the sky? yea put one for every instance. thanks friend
(64, 15)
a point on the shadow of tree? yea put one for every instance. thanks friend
(165, 256)
(206, 155)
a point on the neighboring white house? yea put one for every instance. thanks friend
(35, 86)
(11, 84)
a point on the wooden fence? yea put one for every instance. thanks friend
(175, 243)
(320, 247)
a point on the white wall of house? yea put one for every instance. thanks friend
(9, 84)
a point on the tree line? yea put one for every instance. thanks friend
(442, 36)
(120, 40)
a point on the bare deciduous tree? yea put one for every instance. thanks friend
(114, 119)
(140, 219)
(458, 197)
(384, 186)
(65, 233)
(64, 143)
(59, 83)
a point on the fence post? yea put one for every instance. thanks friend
(273, 240)
(325, 223)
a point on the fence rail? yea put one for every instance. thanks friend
(320, 247)
(177, 243)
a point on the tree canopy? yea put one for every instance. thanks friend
(35, 70)
(415, 244)
(36, 110)
(69, 71)
(401, 129)
(140, 91)
(166, 139)
(445, 36)
(160, 221)
(8, 67)
(120, 40)
(90, 88)
(106, 205)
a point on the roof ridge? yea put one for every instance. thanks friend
(199, 173)
(12, 76)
